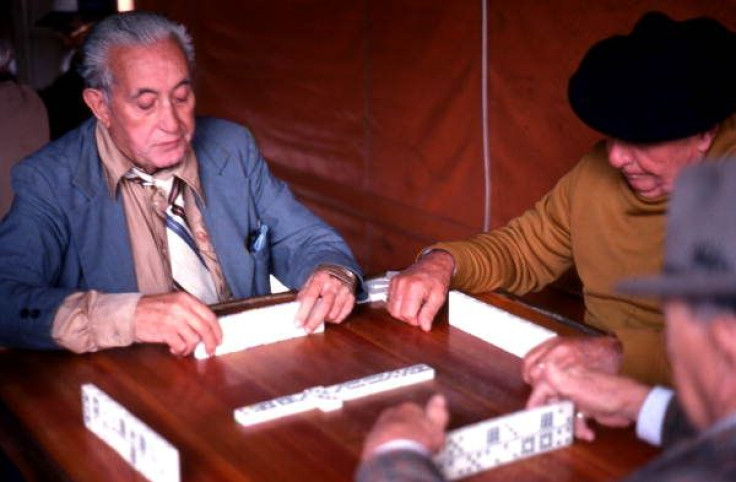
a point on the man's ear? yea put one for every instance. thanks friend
(706, 139)
(97, 103)
(723, 336)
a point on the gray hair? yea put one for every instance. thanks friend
(127, 29)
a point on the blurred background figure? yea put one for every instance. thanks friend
(70, 20)
(23, 123)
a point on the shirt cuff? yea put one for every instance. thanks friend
(90, 321)
(401, 444)
(651, 416)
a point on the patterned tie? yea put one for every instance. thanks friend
(188, 268)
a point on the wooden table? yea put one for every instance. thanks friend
(191, 402)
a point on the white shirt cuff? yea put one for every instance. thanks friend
(651, 416)
(401, 444)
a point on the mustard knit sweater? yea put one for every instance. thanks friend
(591, 219)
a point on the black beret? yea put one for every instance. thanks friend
(666, 80)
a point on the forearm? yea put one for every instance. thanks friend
(510, 258)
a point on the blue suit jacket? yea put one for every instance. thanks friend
(66, 233)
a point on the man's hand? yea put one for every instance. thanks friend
(324, 298)
(409, 421)
(178, 319)
(612, 400)
(601, 353)
(416, 294)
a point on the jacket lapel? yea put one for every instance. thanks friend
(225, 213)
(98, 226)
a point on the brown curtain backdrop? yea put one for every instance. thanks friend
(371, 109)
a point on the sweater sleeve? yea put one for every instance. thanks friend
(525, 255)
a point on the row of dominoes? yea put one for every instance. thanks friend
(493, 325)
(258, 326)
(332, 397)
(145, 450)
(501, 440)
(270, 324)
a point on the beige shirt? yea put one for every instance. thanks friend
(89, 321)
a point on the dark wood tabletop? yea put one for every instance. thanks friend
(190, 403)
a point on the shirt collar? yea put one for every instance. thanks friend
(116, 165)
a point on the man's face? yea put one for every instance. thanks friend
(651, 169)
(150, 113)
(689, 352)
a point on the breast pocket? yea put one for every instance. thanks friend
(259, 247)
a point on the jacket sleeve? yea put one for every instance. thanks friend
(676, 426)
(399, 465)
(33, 243)
(525, 255)
(299, 241)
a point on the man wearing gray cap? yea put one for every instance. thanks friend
(663, 96)
(698, 287)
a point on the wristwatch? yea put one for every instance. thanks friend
(347, 277)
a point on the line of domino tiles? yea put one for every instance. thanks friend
(497, 441)
(258, 326)
(500, 328)
(332, 397)
(142, 448)
(270, 324)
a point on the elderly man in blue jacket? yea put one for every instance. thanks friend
(126, 228)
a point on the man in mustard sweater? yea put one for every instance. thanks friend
(664, 98)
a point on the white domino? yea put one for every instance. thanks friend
(276, 408)
(382, 382)
(331, 398)
(494, 325)
(145, 450)
(258, 326)
(498, 441)
(377, 288)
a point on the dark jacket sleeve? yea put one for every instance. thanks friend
(677, 426)
(399, 466)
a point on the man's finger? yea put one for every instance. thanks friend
(542, 394)
(206, 330)
(319, 312)
(395, 296)
(307, 297)
(347, 307)
(533, 359)
(582, 429)
(207, 318)
(411, 304)
(570, 386)
(190, 336)
(341, 297)
(436, 410)
(429, 309)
